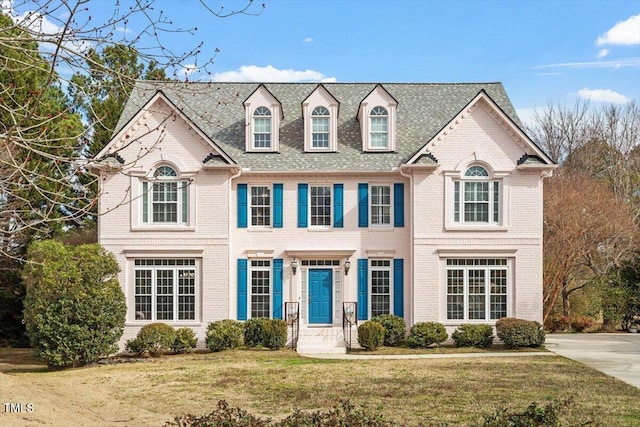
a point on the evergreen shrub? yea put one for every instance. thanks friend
(224, 335)
(473, 336)
(519, 332)
(424, 334)
(370, 335)
(395, 329)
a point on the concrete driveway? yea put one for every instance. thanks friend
(617, 355)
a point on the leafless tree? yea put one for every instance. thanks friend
(43, 43)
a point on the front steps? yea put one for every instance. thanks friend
(328, 339)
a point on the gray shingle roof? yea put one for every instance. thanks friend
(216, 108)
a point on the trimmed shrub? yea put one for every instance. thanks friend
(558, 323)
(74, 309)
(424, 334)
(154, 338)
(473, 336)
(253, 331)
(581, 323)
(274, 333)
(395, 329)
(519, 332)
(185, 340)
(224, 335)
(370, 335)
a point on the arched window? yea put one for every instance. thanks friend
(320, 128)
(165, 198)
(262, 128)
(379, 127)
(476, 197)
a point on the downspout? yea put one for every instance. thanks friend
(229, 241)
(411, 239)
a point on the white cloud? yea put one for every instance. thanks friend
(123, 30)
(254, 73)
(308, 40)
(603, 95)
(602, 53)
(624, 32)
(6, 6)
(187, 71)
(618, 63)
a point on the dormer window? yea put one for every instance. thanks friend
(262, 128)
(263, 115)
(320, 112)
(379, 128)
(320, 128)
(377, 117)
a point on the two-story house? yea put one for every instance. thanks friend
(240, 200)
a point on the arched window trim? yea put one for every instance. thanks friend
(262, 129)
(477, 197)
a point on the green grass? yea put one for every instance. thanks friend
(272, 383)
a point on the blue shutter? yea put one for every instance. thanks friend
(398, 205)
(363, 205)
(242, 205)
(363, 289)
(303, 191)
(242, 289)
(277, 206)
(338, 205)
(398, 287)
(277, 288)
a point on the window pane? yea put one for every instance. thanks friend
(143, 289)
(476, 287)
(496, 202)
(164, 294)
(260, 206)
(476, 202)
(320, 206)
(498, 294)
(260, 289)
(380, 287)
(165, 202)
(455, 294)
(381, 204)
(186, 295)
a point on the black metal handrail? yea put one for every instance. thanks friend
(292, 313)
(349, 319)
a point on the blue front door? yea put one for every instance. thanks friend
(320, 295)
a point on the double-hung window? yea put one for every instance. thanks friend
(477, 289)
(380, 204)
(381, 287)
(260, 288)
(320, 128)
(260, 206)
(320, 205)
(262, 128)
(165, 198)
(165, 289)
(379, 129)
(476, 198)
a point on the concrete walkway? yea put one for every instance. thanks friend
(339, 356)
(616, 354)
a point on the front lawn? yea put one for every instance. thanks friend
(271, 383)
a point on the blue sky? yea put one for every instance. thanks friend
(542, 51)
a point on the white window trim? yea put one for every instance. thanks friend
(458, 175)
(510, 287)
(331, 212)
(250, 205)
(253, 129)
(365, 125)
(370, 284)
(132, 292)
(391, 206)
(250, 108)
(253, 268)
(307, 109)
(137, 199)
